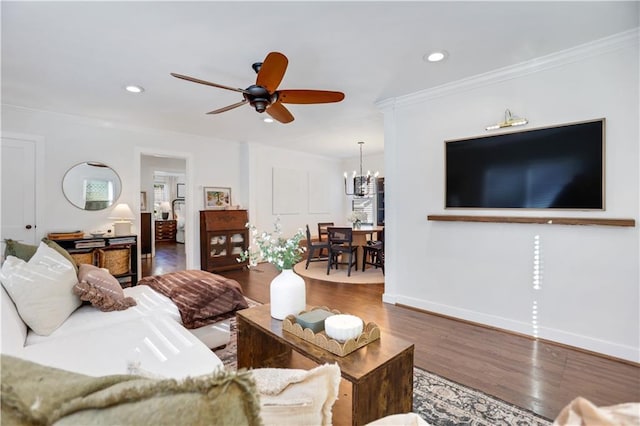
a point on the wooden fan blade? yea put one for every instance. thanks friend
(272, 71)
(208, 83)
(280, 113)
(309, 96)
(227, 108)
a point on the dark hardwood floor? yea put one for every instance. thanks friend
(537, 375)
(170, 257)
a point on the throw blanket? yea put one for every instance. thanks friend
(33, 394)
(201, 297)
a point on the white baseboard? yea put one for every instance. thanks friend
(588, 343)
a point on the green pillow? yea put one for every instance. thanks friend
(19, 250)
(60, 250)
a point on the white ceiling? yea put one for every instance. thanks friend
(76, 57)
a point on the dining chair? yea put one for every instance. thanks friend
(312, 246)
(373, 254)
(341, 242)
(322, 231)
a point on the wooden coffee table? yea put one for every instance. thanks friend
(380, 373)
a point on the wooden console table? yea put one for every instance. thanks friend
(380, 373)
(90, 245)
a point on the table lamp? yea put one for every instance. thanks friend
(165, 207)
(123, 215)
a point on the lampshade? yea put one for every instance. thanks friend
(123, 215)
(122, 212)
(165, 206)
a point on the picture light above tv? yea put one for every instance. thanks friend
(558, 167)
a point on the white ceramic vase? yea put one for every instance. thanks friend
(288, 294)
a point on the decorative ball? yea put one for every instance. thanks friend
(343, 327)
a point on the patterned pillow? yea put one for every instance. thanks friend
(102, 289)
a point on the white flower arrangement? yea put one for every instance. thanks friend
(273, 248)
(356, 217)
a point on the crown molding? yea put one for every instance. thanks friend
(595, 48)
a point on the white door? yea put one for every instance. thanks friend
(18, 176)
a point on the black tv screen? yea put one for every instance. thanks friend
(560, 167)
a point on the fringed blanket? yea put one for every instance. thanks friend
(201, 297)
(33, 394)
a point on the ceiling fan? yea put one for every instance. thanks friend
(264, 96)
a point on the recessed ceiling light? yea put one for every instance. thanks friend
(435, 56)
(134, 89)
(267, 120)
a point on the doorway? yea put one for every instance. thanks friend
(164, 218)
(22, 162)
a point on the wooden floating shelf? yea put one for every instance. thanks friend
(540, 220)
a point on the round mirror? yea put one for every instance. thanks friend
(91, 186)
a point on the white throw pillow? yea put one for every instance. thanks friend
(42, 289)
(291, 397)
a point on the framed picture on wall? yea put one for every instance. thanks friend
(181, 190)
(143, 201)
(217, 198)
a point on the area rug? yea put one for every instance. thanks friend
(318, 271)
(437, 400)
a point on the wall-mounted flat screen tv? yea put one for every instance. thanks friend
(559, 167)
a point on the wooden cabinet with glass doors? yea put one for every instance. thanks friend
(223, 237)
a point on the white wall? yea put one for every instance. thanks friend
(373, 163)
(263, 159)
(69, 140)
(483, 272)
(246, 168)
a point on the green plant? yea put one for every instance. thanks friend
(272, 247)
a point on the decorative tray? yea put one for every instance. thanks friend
(65, 235)
(370, 333)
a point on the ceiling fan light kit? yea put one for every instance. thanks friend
(263, 96)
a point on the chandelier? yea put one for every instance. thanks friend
(361, 181)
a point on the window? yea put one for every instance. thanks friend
(160, 195)
(366, 203)
(98, 194)
(98, 190)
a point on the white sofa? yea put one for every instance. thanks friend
(43, 320)
(147, 337)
